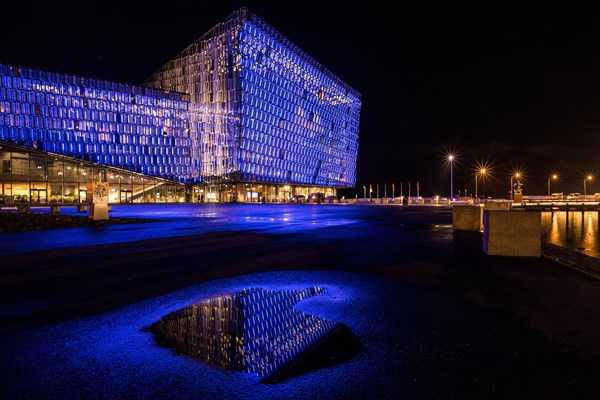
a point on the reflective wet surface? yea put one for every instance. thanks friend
(575, 230)
(255, 330)
(190, 219)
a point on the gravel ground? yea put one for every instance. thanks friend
(433, 317)
(413, 345)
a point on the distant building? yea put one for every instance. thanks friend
(241, 114)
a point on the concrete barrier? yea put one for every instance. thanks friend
(467, 217)
(512, 233)
(24, 208)
(98, 211)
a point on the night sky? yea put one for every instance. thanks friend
(512, 87)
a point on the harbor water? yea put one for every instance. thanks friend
(575, 230)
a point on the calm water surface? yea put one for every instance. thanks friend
(575, 230)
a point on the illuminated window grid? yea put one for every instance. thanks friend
(129, 127)
(242, 102)
(264, 109)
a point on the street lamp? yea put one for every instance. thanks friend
(482, 172)
(587, 178)
(450, 160)
(554, 176)
(512, 189)
(365, 192)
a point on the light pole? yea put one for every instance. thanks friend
(587, 178)
(365, 192)
(482, 172)
(554, 176)
(512, 189)
(450, 160)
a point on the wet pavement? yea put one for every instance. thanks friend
(435, 316)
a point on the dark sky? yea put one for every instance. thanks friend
(509, 86)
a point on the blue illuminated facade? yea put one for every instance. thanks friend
(241, 114)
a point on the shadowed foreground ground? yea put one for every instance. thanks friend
(435, 316)
(23, 222)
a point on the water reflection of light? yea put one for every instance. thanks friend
(590, 237)
(575, 230)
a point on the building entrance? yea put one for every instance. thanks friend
(126, 196)
(39, 196)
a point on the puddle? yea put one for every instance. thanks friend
(255, 331)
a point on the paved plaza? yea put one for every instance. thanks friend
(431, 314)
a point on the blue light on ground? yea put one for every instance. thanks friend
(255, 330)
(112, 355)
(425, 339)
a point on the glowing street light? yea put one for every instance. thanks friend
(482, 171)
(555, 177)
(365, 192)
(587, 178)
(450, 160)
(512, 189)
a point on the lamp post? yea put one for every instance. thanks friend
(450, 160)
(587, 178)
(365, 192)
(482, 172)
(512, 189)
(554, 176)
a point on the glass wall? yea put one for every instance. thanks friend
(241, 106)
(38, 178)
(263, 110)
(130, 127)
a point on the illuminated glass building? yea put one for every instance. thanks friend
(241, 114)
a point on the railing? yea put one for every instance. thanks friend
(587, 204)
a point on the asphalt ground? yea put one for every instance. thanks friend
(435, 316)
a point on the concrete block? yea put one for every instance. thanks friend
(98, 211)
(24, 208)
(467, 217)
(512, 233)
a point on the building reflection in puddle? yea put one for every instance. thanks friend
(255, 330)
